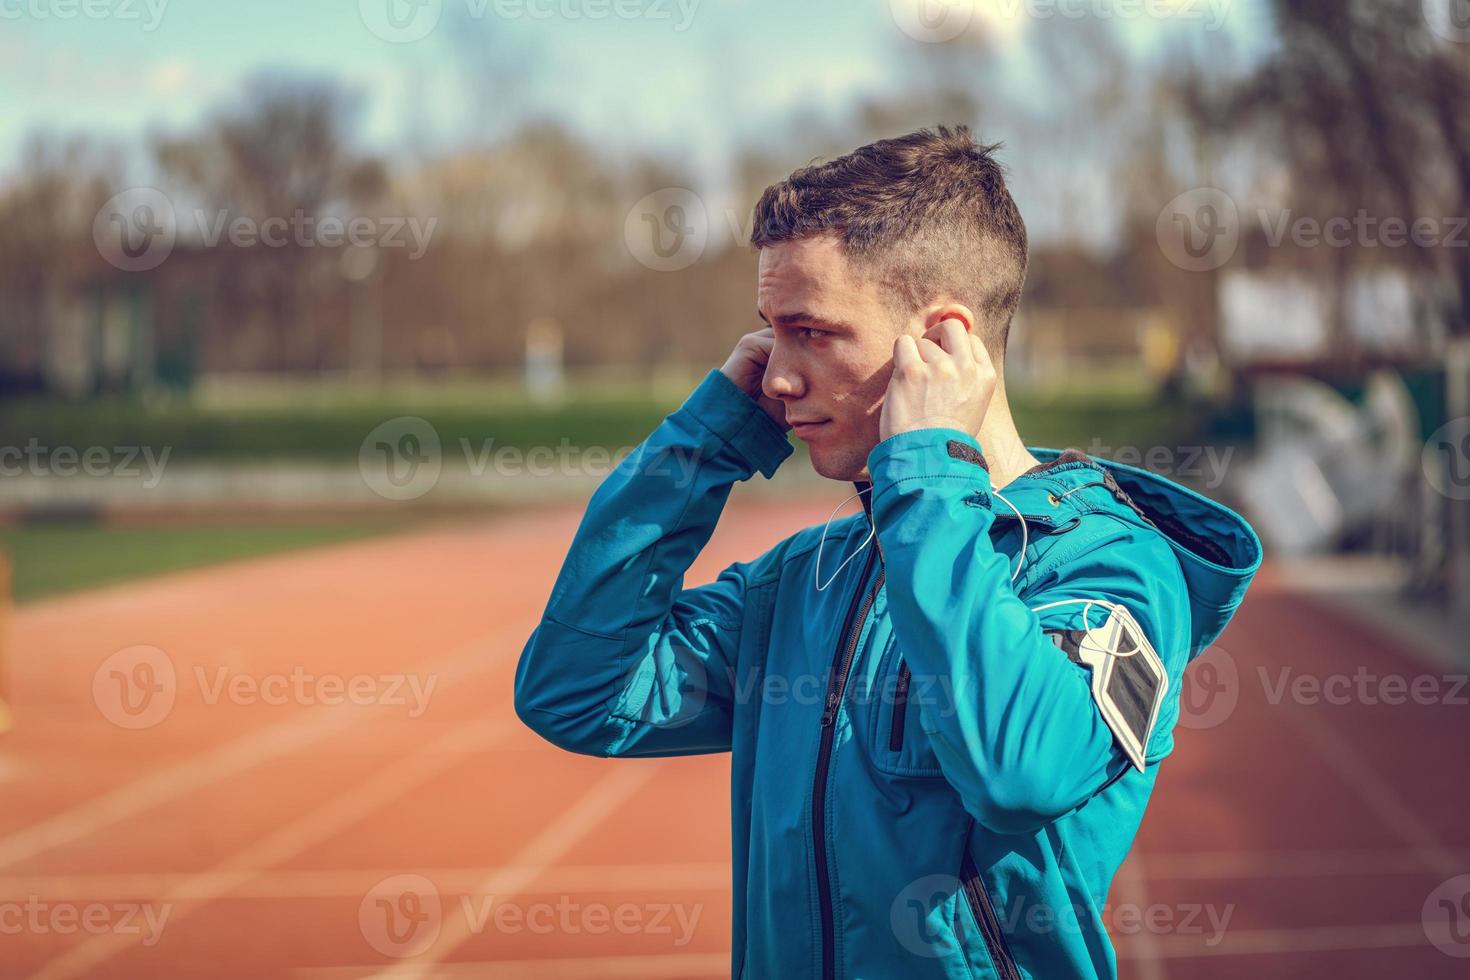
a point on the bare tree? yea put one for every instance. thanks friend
(46, 250)
(286, 154)
(1370, 110)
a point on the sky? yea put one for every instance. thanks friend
(121, 66)
(684, 80)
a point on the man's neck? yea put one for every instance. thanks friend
(1004, 451)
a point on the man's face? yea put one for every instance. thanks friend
(833, 351)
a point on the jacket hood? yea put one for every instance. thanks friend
(1217, 549)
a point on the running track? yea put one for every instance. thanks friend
(321, 841)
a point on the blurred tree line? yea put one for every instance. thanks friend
(1354, 104)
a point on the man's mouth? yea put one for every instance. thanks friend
(804, 429)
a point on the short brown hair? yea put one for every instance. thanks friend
(928, 212)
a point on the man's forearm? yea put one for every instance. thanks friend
(616, 595)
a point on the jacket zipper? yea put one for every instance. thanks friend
(836, 684)
(984, 912)
(900, 707)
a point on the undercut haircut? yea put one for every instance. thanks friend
(928, 214)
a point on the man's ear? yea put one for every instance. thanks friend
(933, 316)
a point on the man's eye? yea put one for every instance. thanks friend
(812, 333)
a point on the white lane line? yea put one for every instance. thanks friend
(624, 779)
(354, 883)
(230, 759)
(672, 966)
(308, 830)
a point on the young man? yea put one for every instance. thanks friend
(942, 744)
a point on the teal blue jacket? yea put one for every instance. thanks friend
(922, 782)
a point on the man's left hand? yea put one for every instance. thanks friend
(944, 379)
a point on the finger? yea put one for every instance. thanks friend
(931, 352)
(979, 351)
(905, 353)
(955, 339)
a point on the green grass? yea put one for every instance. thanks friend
(328, 432)
(1102, 426)
(329, 421)
(47, 560)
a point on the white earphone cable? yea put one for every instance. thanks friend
(817, 570)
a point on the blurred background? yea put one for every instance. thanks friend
(319, 323)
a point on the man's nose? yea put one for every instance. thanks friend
(782, 379)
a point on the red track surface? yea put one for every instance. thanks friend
(262, 829)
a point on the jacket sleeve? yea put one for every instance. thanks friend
(625, 662)
(1016, 729)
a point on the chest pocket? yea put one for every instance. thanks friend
(895, 736)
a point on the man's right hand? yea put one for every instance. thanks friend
(747, 368)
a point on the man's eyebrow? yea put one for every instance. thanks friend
(803, 317)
